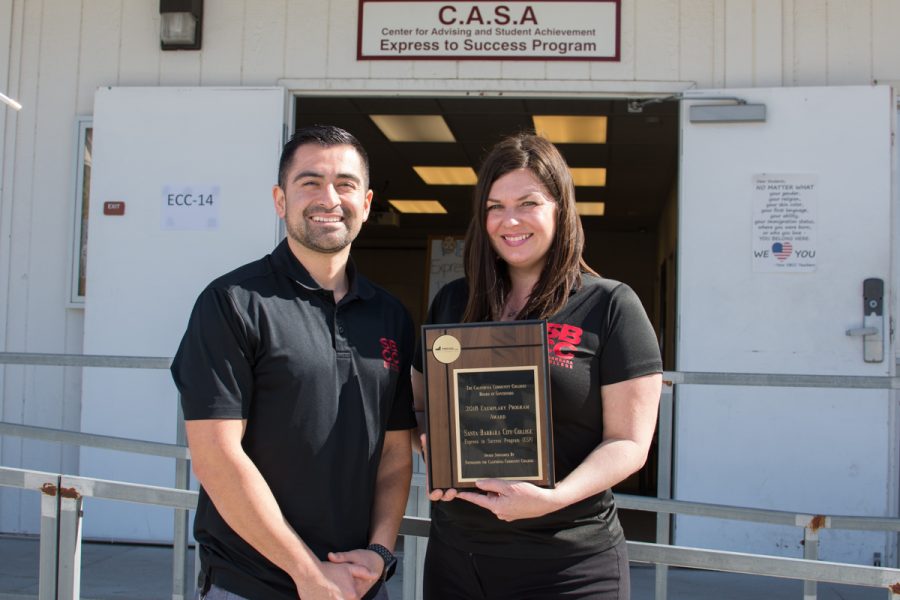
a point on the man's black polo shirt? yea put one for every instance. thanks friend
(318, 384)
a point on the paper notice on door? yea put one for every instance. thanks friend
(784, 223)
(190, 207)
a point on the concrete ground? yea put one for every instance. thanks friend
(120, 571)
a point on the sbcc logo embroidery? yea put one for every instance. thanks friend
(390, 354)
(562, 342)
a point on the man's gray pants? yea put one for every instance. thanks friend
(217, 593)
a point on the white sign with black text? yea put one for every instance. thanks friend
(512, 30)
(784, 223)
(190, 207)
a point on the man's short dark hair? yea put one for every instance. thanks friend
(325, 136)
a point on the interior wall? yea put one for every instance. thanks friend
(628, 257)
(666, 270)
(401, 271)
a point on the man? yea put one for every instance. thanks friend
(294, 378)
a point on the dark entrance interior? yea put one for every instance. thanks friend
(633, 241)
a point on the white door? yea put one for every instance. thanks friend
(194, 169)
(780, 224)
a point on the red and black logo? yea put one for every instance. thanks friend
(390, 354)
(562, 341)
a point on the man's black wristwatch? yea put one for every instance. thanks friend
(390, 561)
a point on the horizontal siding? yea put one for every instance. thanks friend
(850, 41)
(341, 46)
(810, 42)
(885, 49)
(8, 33)
(99, 48)
(739, 40)
(136, 65)
(223, 44)
(656, 40)
(264, 34)
(696, 28)
(768, 44)
(712, 43)
(307, 36)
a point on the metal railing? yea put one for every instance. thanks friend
(777, 567)
(182, 585)
(811, 523)
(62, 497)
(62, 510)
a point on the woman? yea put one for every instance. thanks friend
(523, 259)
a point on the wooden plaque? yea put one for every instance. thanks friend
(487, 403)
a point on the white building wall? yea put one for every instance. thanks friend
(55, 53)
(6, 153)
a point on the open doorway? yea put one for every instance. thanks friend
(632, 241)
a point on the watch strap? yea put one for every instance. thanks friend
(390, 561)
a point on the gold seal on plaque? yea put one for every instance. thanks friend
(446, 349)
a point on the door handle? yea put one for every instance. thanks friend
(862, 331)
(872, 331)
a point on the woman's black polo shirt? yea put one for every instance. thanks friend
(601, 336)
(318, 383)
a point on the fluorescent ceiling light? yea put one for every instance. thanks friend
(447, 175)
(589, 177)
(429, 207)
(564, 129)
(414, 128)
(590, 209)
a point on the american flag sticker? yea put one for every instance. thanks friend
(782, 250)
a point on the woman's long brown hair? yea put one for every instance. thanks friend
(486, 272)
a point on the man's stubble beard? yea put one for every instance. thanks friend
(304, 235)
